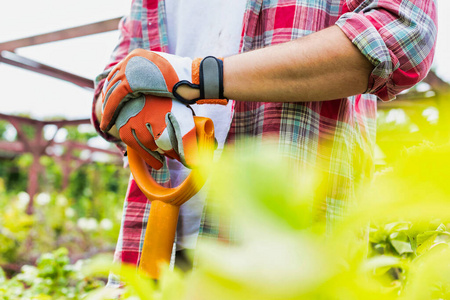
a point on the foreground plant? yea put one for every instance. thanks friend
(280, 251)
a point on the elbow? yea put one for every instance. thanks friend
(403, 79)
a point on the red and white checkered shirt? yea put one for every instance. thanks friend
(397, 36)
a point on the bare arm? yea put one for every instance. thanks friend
(322, 66)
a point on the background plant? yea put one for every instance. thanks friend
(53, 277)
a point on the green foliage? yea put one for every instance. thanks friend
(3, 127)
(13, 173)
(90, 180)
(280, 252)
(75, 134)
(55, 223)
(54, 277)
(15, 226)
(99, 189)
(52, 176)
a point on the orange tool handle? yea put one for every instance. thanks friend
(163, 217)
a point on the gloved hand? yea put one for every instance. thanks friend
(157, 126)
(159, 74)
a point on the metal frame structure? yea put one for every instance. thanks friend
(8, 56)
(38, 145)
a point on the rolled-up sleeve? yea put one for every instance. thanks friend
(397, 36)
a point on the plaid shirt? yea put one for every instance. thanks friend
(397, 36)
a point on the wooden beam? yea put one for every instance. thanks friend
(80, 146)
(59, 123)
(21, 146)
(25, 120)
(69, 33)
(31, 65)
(436, 83)
(405, 103)
(16, 147)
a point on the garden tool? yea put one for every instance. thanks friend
(166, 202)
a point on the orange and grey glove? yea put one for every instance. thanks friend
(156, 127)
(160, 74)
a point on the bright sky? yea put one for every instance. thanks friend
(41, 96)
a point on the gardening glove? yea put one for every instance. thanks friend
(159, 74)
(157, 126)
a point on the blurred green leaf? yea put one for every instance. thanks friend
(397, 227)
(425, 241)
(401, 247)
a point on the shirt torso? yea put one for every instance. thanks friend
(199, 28)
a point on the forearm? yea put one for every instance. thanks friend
(322, 66)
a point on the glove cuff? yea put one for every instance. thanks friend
(207, 73)
(207, 76)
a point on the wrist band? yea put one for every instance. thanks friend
(207, 76)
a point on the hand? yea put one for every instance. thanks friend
(159, 74)
(157, 126)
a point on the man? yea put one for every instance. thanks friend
(309, 73)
